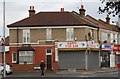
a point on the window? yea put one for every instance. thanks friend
(108, 38)
(70, 34)
(90, 34)
(49, 51)
(26, 36)
(104, 36)
(48, 34)
(14, 57)
(26, 57)
(119, 39)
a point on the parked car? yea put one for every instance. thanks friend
(8, 68)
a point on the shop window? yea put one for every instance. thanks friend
(70, 34)
(14, 57)
(26, 36)
(25, 57)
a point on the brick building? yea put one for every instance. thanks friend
(109, 41)
(64, 40)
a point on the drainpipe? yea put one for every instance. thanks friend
(86, 59)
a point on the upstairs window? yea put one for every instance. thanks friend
(104, 36)
(26, 36)
(90, 34)
(70, 34)
(48, 34)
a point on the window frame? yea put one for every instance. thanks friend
(14, 61)
(26, 36)
(50, 52)
(48, 34)
(69, 34)
(25, 56)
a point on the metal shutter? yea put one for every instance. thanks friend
(71, 59)
(93, 60)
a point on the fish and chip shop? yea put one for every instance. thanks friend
(75, 55)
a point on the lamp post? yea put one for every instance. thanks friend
(4, 74)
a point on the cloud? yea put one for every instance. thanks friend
(18, 9)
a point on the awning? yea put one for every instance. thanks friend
(26, 48)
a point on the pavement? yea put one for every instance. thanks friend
(102, 70)
(61, 73)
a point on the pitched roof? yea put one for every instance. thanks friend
(51, 19)
(85, 19)
(100, 24)
(109, 26)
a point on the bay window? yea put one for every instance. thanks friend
(26, 57)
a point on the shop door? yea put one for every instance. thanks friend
(105, 59)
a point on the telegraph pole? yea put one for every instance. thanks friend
(4, 74)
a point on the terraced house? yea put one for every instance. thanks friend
(64, 40)
(108, 40)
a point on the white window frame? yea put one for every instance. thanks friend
(50, 52)
(48, 34)
(118, 38)
(26, 36)
(69, 34)
(104, 36)
(14, 61)
(27, 55)
(91, 34)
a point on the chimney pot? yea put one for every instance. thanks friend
(107, 19)
(82, 7)
(31, 7)
(31, 11)
(82, 11)
(62, 9)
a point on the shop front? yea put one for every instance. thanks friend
(93, 55)
(71, 55)
(105, 55)
(116, 51)
(75, 55)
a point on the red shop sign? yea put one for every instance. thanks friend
(116, 47)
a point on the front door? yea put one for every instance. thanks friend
(49, 62)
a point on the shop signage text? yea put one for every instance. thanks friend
(71, 45)
(92, 44)
(106, 47)
(116, 47)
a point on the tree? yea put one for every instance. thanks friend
(111, 7)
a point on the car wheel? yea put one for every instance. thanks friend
(3, 72)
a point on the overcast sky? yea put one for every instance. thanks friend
(16, 10)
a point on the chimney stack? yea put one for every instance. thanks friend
(31, 11)
(107, 19)
(82, 11)
(62, 9)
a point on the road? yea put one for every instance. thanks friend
(111, 75)
(0, 76)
